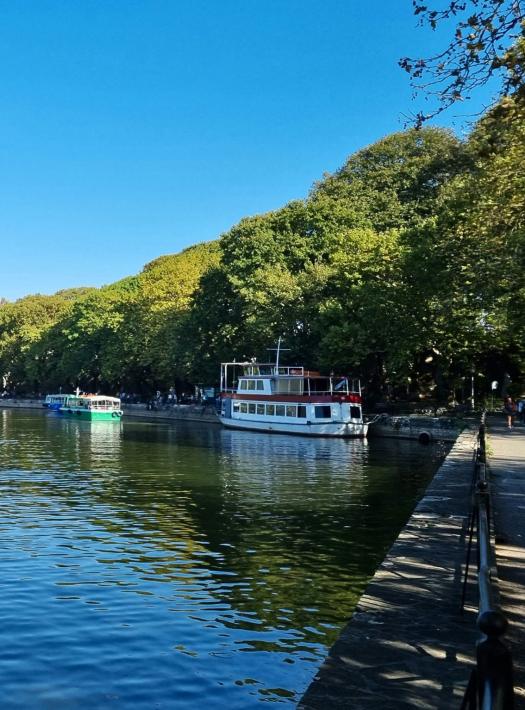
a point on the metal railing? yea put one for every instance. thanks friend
(490, 686)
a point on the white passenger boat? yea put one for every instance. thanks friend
(289, 400)
(93, 407)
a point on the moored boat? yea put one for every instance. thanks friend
(291, 400)
(93, 407)
(55, 401)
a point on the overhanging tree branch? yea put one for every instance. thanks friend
(484, 43)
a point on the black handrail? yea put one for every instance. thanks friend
(490, 685)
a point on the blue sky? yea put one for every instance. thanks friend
(135, 128)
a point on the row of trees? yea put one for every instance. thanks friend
(405, 266)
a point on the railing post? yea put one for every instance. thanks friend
(494, 662)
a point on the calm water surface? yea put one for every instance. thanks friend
(148, 565)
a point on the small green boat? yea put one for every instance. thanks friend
(93, 407)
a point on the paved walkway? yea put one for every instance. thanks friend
(506, 461)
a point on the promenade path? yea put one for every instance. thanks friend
(407, 644)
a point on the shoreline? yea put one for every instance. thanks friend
(202, 413)
(180, 412)
(207, 413)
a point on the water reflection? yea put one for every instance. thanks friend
(196, 564)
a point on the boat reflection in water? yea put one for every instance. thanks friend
(271, 456)
(95, 444)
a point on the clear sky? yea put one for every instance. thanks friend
(134, 128)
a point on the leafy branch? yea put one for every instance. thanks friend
(485, 42)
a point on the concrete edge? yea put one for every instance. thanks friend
(398, 650)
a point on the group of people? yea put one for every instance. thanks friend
(514, 409)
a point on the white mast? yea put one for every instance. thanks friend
(278, 352)
(277, 356)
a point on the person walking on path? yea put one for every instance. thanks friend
(510, 410)
(520, 409)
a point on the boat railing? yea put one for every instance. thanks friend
(304, 393)
(490, 686)
(333, 384)
(104, 406)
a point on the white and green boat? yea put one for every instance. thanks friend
(93, 407)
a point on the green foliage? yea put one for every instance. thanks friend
(395, 182)
(479, 249)
(121, 335)
(22, 326)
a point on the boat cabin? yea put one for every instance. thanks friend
(95, 402)
(55, 401)
(268, 379)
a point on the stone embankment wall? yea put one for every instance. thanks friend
(21, 403)
(407, 644)
(187, 412)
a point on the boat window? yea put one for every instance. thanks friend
(341, 385)
(296, 386)
(319, 384)
(251, 408)
(279, 410)
(243, 407)
(355, 412)
(260, 409)
(244, 384)
(260, 385)
(323, 412)
(290, 386)
(270, 410)
(301, 411)
(236, 406)
(291, 410)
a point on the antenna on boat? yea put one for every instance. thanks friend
(278, 352)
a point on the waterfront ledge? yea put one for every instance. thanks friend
(407, 644)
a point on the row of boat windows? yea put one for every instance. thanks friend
(252, 385)
(295, 386)
(289, 410)
(272, 410)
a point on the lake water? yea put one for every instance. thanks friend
(148, 565)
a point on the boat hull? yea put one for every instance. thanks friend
(92, 416)
(335, 429)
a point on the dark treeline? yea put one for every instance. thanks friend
(406, 266)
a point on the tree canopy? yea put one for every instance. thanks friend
(405, 267)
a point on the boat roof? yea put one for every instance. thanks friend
(256, 363)
(279, 371)
(98, 397)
